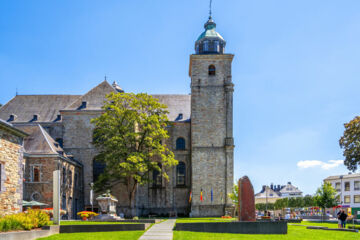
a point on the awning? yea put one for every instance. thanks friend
(33, 203)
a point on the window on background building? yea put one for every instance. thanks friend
(356, 198)
(180, 143)
(70, 177)
(347, 199)
(60, 142)
(347, 186)
(63, 202)
(35, 172)
(35, 196)
(356, 185)
(76, 184)
(212, 70)
(64, 176)
(338, 198)
(180, 174)
(337, 186)
(157, 178)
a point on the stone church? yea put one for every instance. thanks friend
(201, 137)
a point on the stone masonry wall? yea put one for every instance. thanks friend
(77, 141)
(11, 159)
(211, 134)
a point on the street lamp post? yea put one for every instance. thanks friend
(92, 196)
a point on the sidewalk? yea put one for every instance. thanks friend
(160, 231)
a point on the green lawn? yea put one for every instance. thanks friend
(294, 233)
(124, 235)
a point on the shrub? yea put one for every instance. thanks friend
(24, 221)
(135, 218)
(50, 211)
(87, 214)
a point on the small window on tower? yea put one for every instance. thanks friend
(35, 173)
(212, 70)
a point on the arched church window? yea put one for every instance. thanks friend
(180, 143)
(157, 179)
(212, 70)
(180, 174)
(98, 169)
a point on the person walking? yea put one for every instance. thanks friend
(338, 217)
(343, 217)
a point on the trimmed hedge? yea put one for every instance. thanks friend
(354, 227)
(24, 221)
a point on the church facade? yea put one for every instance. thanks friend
(201, 137)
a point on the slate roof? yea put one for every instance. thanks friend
(9, 127)
(177, 104)
(39, 141)
(26, 106)
(47, 107)
(267, 193)
(289, 188)
(94, 98)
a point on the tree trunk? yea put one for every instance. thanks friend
(131, 187)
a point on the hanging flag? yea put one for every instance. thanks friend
(212, 195)
(190, 197)
(201, 195)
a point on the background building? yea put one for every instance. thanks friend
(269, 194)
(348, 188)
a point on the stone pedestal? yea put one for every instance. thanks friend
(246, 206)
(107, 203)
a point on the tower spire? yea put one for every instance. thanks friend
(210, 9)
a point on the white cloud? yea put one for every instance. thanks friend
(317, 163)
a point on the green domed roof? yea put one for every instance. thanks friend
(210, 31)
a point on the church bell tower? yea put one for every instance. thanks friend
(212, 142)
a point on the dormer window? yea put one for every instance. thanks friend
(58, 118)
(12, 118)
(82, 106)
(179, 117)
(212, 70)
(35, 118)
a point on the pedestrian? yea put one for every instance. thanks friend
(338, 217)
(343, 217)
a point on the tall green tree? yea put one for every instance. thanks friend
(130, 138)
(234, 196)
(325, 197)
(309, 201)
(264, 206)
(350, 143)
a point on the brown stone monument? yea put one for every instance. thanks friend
(246, 206)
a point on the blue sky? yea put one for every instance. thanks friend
(296, 68)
